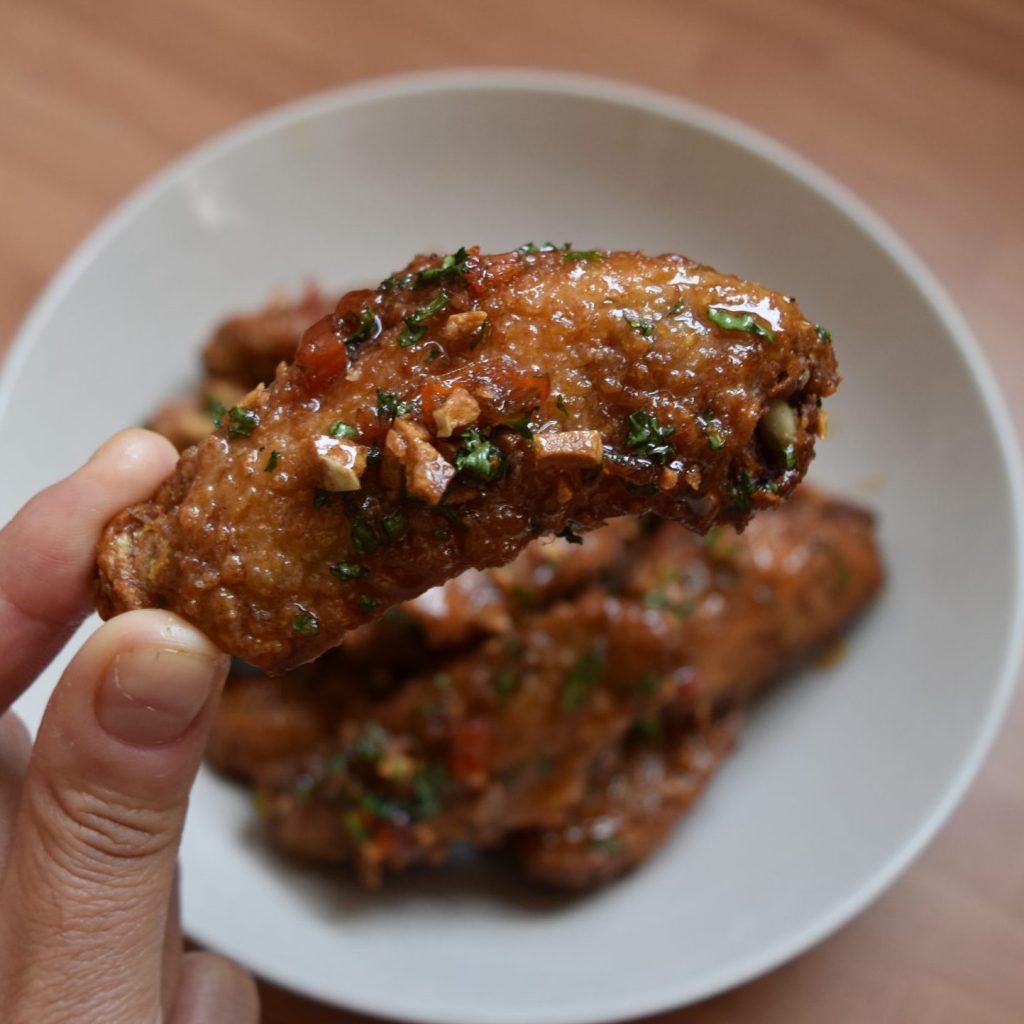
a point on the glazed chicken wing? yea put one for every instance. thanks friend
(461, 409)
(535, 730)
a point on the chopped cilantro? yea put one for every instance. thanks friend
(393, 525)
(305, 624)
(479, 456)
(415, 322)
(584, 256)
(560, 405)
(428, 788)
(676, 307)
(242, 421)
(451, 268)
(388, 404)
(275, 458)
(321, 496)
(569, 534)
(790, 452)
(370, 744)
(520, 425)
(216, 410)
(647, 437)
(367, 602)
(639, 324)
(824, 334)
(581, 680)
(732, 321)
(364, 539)
(340, 429)
(368, 327)
(397, 282)
(741, 491)
(647, 684)
(355, 828)
(346, 571)
(715, 440)
(647, 728)
(505, 683)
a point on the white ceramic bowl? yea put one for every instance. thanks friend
(840, 780)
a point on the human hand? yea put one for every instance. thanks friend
(91, 815)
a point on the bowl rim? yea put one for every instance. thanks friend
(684, 111)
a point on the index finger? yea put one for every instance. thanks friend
(48, 550)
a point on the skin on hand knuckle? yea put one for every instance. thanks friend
(92, 832)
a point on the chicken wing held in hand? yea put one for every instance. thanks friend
(462, 408)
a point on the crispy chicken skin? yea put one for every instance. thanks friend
(463, 408)
(247, 348)
(535, 731)
(636, 795)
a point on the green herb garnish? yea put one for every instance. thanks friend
(505, 683)
(389, 405)
(451, 268)
(305, 624)
(340, 429)
(731, 321)
(216, 410)
(569, 534)
(741, 491)
(370, 744)
(790, 452)
(415, 322)
(393, 525)
(676, 307)
(824, 334)
(367, 602)
(355, 828)
(646, 437)
(584, 256)
(647, 685)
(639, 324)
(428, 788)
(242, 421)
(369, 327)
(581, 680)
(397, 282)
(364, 539)
(479, 456)
(321, 496)
(275, 458)
(715, 440)
(560, 405)
(346, 571)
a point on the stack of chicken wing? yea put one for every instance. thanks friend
(566, 698)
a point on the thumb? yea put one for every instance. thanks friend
(84, 900)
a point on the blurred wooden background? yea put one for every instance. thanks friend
(916, 105)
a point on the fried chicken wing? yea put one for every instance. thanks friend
(636, 796)
(795, 580)
(517, 733)
(461, 409)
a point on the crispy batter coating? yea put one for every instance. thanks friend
(703, 389)
(531, 730)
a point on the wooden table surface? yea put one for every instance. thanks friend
(918, 106)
